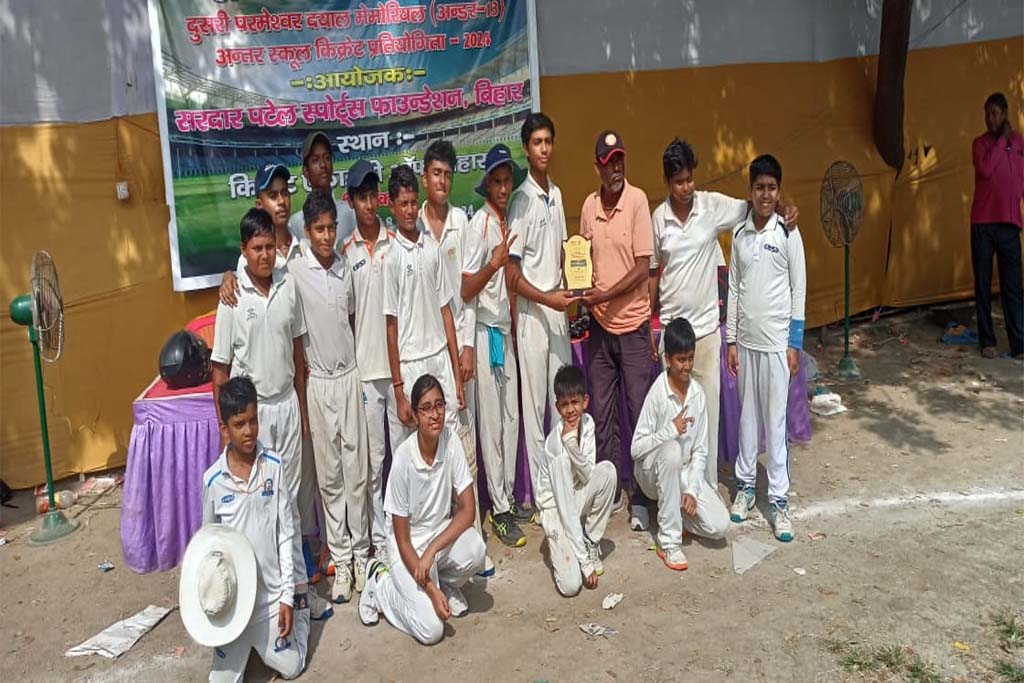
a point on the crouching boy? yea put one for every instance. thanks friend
(574, 493)
(670, 451)
(246, 489)
(432, 553)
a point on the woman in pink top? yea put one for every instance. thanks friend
(996, 224)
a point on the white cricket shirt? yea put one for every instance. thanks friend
(767, 285)
(422, 492)
(539, 221)
(367, 262)
(689, 255)
(486, 231)
(255, 336)
(415, 289)
(328, 298)
(450, 249)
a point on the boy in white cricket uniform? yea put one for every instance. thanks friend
(365, 252)
(334, 394)
(575, 493)
(245, 489)
(274, 196)
(536, 217)
(670, 451)
(446, 225)
(484, 288)
(421, 337)
(767, 289)
(433, 553)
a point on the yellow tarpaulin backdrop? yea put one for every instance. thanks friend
(57, 193)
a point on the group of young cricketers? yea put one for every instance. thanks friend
(428, 334)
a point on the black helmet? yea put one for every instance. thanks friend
(184, 360)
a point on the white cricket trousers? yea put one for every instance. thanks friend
(594, 504)
(764, 395)
(281, 432)
(662, 476)
(707, 368)
(497, 404)
(338, 427)
(440, 366)
(378, 398)
(286, 656)
(407, 606)
(543, 336)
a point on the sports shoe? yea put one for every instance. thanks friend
(522, 514)
(341, 591)
(368, 613)
(488, 570)
(380, 553)
(639, 518)
(618, 505)
(325, 563)
(781, 524)
(673, 558)
(312, 567)
(319, 609)
(359, 569)
(456, 600)
(594, 555)
(743, 504)
(507, 530)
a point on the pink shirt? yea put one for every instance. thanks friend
(617, 240)
(998, 179)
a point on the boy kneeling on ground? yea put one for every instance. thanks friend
(670, 451)
(432, 553)
(574, 493)
(245, 489)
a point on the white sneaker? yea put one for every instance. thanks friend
(368, 612)
(674, 558)
(360, 571)
(743, 504)
(341, 591)
(594, 554)
(781, 524)
(456, 600)
(319, 609)
(639, 518)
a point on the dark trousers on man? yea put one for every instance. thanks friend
(617, 362)
(1001, 240)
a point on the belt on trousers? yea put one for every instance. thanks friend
(331, 374)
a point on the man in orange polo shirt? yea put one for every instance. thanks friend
(617, 221)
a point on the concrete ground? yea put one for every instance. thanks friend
(915, 497)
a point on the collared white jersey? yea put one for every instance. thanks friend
(564, 470)
(655, 426)
(260, 508)
(450, 249)
(767, 285)
(255, 337)
(689, 254)
(415, 289)
(327, 297)
(492, 306)
(423, 493)
(538, 219)
(346, 224)
(367, 262)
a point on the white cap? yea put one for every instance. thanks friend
(218, 585)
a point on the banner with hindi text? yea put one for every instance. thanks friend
(241, 83)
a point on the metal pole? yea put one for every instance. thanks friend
(846, 299)
(34, 338)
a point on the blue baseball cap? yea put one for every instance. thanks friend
(499, 155)
(359, 172)
(268, 172)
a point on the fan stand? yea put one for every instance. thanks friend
(55, 524)
(847, 368)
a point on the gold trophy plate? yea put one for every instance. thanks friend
(579, 265)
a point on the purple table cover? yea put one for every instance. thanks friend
(175, 439)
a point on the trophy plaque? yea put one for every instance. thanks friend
(578, 266)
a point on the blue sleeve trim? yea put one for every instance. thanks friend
(213, 478)
(796, 334)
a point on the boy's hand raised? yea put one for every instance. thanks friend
(681, 421)
(499, 255)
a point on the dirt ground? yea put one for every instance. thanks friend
(918, 489)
